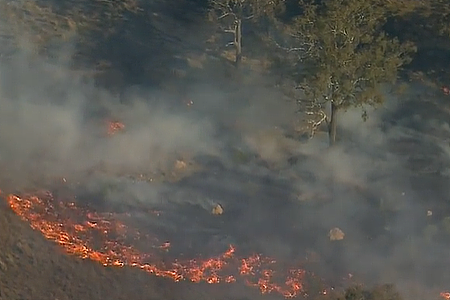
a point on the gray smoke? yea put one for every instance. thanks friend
(377, 185)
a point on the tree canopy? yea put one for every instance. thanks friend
(231, 14)
(345, 55)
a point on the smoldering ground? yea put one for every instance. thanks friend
(52, 126)
(55, 122)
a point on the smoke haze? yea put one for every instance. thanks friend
(377, 185)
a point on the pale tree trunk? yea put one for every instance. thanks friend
(238, 41)
(332, 124)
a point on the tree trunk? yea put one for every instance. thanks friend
(238, 42)
(332, 124)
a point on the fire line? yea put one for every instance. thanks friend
(103, 239)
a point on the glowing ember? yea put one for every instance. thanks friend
(102, 238)
(115, 127)
(445, 295)
(165, 246)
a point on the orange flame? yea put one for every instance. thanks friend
(115, 127)
(445, 295)
(102, 238)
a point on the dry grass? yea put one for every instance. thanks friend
(43, 24)
(28, 19)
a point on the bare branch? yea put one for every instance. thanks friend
(292, 49)
(221, 5)
(224, 16)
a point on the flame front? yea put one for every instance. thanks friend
(102, 238)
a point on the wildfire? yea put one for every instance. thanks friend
(104, 239)
(115, 127)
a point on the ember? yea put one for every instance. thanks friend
(102, 238)
(115, 127)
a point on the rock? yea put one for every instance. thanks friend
(336, 234)
(179, 165)
(217, 210)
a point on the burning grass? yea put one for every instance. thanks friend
(104, 239)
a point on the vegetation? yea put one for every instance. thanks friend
(425, 23)
(383, 292)
(45, 22)
(231, 14)
(346, 56)
(345, 51)
(39, 21)
(342, 53)
(435, 15)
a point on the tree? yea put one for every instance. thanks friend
(421, 21)
(345, 57)
(428, 25)
(436, 14)
(231, 14)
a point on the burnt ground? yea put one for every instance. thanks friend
(33, 268)
(382, 245)
(267, 219)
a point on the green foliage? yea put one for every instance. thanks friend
(349, 56)
(425, 22)
(434, 15)
(242, 9)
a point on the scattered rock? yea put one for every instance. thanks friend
(336, 234)
(180, 165)
(217, 210)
